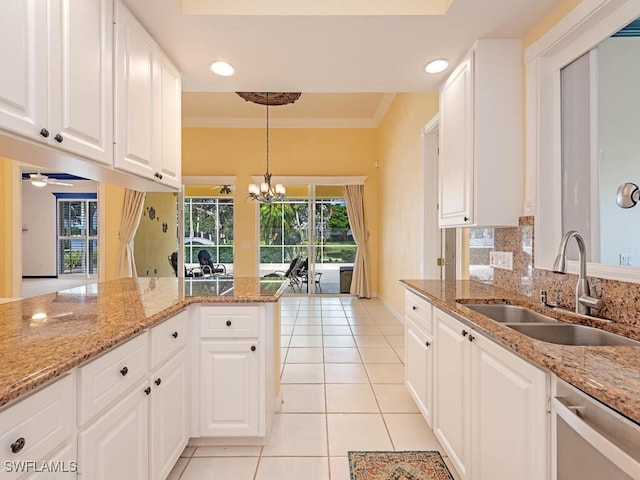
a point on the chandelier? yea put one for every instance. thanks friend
(265, 192)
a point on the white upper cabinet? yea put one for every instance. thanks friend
(81, 83)
(148, 105)
(168, 85)
(480, 167)
(60, 87)
(23, 104)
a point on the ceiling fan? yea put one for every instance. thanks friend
(40, 180)
(223, 189)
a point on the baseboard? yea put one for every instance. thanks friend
(39, 276)
(399, 316)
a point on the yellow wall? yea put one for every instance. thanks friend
(542, 27)
(152, 246)
(6, 229)
(401, 183)
(241, 152)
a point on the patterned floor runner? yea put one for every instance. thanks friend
(398, 466)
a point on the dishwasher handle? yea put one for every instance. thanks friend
(572, 415)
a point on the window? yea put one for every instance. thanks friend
(480, 245)
(77, 236)
(208, 225)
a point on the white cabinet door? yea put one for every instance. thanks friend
(168, 100)
(116, 445)
(452, 422)
(134, 95)
(456, 147)
(481, 137)
(169, 415)
(23, 83)
(419, 369)
(59, 87)
(81, 78)
(509, 415)
(148, 105)
(230, 389)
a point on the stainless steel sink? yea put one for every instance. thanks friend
(570, 334)
(510, 313)
(547, 329)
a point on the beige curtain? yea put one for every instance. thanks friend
(354, 195)
(131, 213)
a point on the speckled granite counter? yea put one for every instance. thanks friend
(44, 336)
(609, 374)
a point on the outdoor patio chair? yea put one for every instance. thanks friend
(173, 261)
(303, 273)
(207, 266)
(290, 274)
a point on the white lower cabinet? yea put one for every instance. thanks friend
(39, 430)
(139, 429)
(509, 419)
(490, 406)
(452, 389)
(116, 445)
(234, 383)
(169, 415)
(229, 399)
(419, 368)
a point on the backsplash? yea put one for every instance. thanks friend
(621, 299)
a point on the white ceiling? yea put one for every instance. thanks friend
(321, 53)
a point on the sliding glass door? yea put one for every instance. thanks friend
(307, 239)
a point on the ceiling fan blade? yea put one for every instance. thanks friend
(56, 182)
(223, 189)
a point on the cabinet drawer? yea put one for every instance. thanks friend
(105, 379)
(418, 310)
(41, 423)
(168, 337)
(229, 322)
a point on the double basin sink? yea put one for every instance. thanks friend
(547, 329)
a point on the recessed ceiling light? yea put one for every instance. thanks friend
(222, 68)
(436, 66)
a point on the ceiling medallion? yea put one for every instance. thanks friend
(270, 98)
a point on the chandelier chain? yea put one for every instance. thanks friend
(267, 132)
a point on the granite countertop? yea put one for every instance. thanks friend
(45, 336)
(609, 374)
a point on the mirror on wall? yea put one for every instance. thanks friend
(600, 143)
(59, 230)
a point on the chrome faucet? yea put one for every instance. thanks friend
(584, 302)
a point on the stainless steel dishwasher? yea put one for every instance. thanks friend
(590, 441)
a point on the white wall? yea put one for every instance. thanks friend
(619, 118)
(39, 225)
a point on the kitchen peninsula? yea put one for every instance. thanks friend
(141, 366)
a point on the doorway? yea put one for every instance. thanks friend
(440, 246)
(307, 238)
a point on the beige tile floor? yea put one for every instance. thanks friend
(343, 389)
